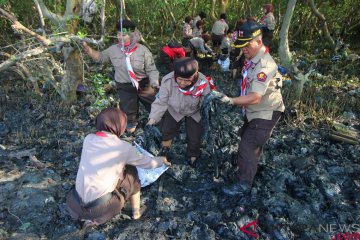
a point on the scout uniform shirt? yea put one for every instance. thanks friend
(142, 63)
(199, 43)
(179, 105)
(195, 20)
(264, 79)
(103, 159)
(220, 27)
(269, 21)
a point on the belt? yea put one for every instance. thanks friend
(97, 202)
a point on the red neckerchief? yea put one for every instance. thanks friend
(131, 73)
(244, 78)
(100, 134)
(199, 90)
(211, 83)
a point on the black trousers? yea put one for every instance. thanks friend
(170, 128)
(254, 135)
(130, 98)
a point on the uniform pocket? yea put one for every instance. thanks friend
(138, 64)
(117, 62)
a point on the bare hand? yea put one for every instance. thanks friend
(85, 46)
(226, 99)
(166, 162)
(151, 122)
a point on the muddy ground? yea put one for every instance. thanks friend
(305, 182)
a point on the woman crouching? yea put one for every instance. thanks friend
(107, 177)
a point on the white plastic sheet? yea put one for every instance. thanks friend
(148, 176)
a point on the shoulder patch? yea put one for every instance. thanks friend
(261, 77)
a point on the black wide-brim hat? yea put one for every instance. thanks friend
(126, 24)
(250, 31)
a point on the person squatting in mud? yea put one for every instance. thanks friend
(261, 103)
(181, 94)
(136, 76)
(107, 177)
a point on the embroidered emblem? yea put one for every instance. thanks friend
(261, 77)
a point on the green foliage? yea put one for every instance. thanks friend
(3, 2)
(81, 34)
(99, 81)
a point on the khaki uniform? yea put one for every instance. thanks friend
(264, 79)
(269, 21)
(226, 43)
(269, 25)
(199, 43)
(195, 20)
(260, 119)
(220, 27)
(172, 106)
(142, 62)
(218, 31)
(105, 168)
(145, 70)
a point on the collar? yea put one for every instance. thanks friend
(259, 55)
(102, 134)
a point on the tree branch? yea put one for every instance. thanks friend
(18, 26)
(58, 20)
(41, 16)
(322, 20)
(14, 59)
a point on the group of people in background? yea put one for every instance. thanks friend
(228, 55)
(106, 177)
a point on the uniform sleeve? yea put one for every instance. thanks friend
(270, 22)
(202, 46)
(160, 105)
(206, 92)
(138, 159)
(263, 76)
(105, 55)
(150, 68)
(226, 28)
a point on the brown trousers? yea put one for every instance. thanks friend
(130, 97)
(170, 128)
(254, 135)
(106, 211)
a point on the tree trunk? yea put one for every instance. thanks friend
(212, 14)
(194, 7)
(323, 23)
(102, 17)
(73, 74)
(223, 6)
(284, 51)
(285, 55)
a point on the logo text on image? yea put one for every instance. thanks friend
(341, 231)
